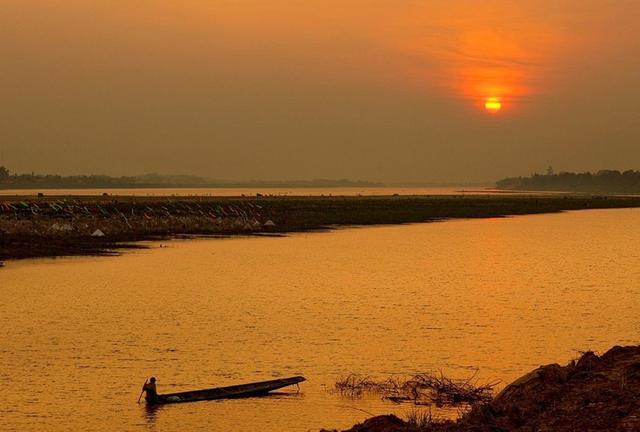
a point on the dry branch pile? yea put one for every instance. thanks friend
(420, 389)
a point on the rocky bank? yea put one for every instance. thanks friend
(594, 393)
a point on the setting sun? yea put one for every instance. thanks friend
(493, 105)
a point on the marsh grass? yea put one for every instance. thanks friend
(421, 420)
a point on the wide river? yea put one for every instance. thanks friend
(78, 336)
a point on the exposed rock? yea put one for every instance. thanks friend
(382, 423)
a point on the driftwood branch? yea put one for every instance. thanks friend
(420, 389)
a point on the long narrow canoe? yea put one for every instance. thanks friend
(231, 392)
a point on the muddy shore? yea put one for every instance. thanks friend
(594, 393)
(100, 225)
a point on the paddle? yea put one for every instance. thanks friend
(145, 383)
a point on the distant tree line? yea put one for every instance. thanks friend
(24, 181)
(48, 181)
(604, 181)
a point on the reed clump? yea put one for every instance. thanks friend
(419, 389)
(421, 420)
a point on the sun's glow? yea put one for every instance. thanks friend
(493, 104)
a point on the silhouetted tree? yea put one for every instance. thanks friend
(603, 181)
(4, 173)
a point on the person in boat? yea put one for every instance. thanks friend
(151, 393)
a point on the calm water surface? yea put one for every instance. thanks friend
(79, 336)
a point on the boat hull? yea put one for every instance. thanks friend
(231, 392)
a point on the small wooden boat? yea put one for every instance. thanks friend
(231, 392)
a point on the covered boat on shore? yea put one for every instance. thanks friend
(231, 392)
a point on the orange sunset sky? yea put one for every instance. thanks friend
(379, 90)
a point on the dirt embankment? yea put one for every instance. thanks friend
(57, 226)
(595, 393)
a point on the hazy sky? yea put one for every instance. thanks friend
(386, 90)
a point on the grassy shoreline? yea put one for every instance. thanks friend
(62, 226)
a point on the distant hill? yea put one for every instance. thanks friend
(605, 181)
(48, 181)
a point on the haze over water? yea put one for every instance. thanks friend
(412, 91)
(79, 335)
(282, 92)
